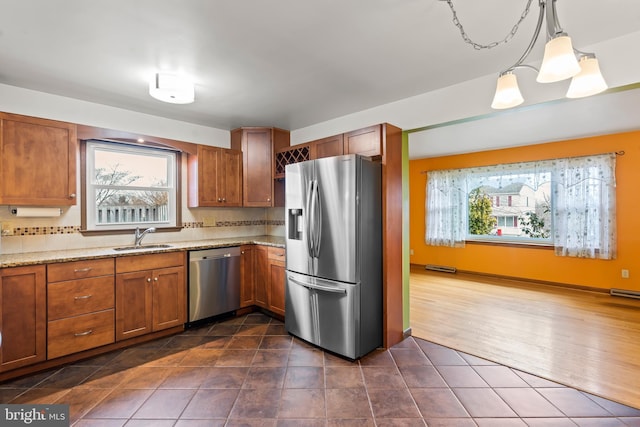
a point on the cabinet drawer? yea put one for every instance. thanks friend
(79, 269)
(276, 254)
(75, 297)
(74, 334)
(149, 262)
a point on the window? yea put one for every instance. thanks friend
(510, 216)
(568, 203)
(128, 186)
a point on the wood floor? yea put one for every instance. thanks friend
(586, 340)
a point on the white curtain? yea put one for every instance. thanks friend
(585, 206)
(583, 203)
(446, 207)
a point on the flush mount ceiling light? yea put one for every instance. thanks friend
(561, 60)
(172, 88)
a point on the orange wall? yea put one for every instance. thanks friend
(533, 263)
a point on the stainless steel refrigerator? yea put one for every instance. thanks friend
(333, 221)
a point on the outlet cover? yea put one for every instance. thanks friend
(7, 229)
(209, 221)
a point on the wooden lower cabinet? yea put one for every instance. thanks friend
(149, 300)
(169, 298)
(134, 296)
(247, 276)
(23, 317)
(262, 276)
(277, 279)
(75, 334)
(80, 306)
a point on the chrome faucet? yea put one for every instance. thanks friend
(139, 235)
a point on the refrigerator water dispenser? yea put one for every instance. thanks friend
(295, 224)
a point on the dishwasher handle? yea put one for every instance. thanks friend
(212, 254)
(227, 255)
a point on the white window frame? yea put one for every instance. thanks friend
(505, 203)
(91, 188)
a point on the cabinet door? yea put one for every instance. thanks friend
(133, 304)
(367, 142)
(257, 150)
(169, 298)
(23, 321)
(262, 276)
(276, 287)
(247, 276)
(207, 183)
(230, 177)
(38, 163)
(328, 147)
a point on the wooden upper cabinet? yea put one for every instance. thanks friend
(328, 147)
(23, 316)
(258, 146)
(37, 161)
(367, 141)
(215, 177)
(229, 175)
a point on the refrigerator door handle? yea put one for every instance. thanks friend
(309, 219)
(317, 220)
(318, 287)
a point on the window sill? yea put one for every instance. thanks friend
(509, 243)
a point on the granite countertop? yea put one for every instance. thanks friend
(47, 257)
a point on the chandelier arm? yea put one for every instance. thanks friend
(554, 28)
(533, 41)
(584, 54)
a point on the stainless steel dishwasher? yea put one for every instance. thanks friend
(214, 282)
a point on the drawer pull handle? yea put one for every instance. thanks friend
(82, 270)
(82, 334)
(82, 297)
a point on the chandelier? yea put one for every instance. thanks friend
(561, 60)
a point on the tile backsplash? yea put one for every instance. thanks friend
(21, 235)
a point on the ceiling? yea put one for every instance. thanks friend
(284, 63)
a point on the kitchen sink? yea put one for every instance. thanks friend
(141, 247)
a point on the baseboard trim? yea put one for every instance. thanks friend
(472, 274)
(406, 333)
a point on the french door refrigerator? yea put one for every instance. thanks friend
(333, 221)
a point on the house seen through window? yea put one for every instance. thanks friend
(511, 205)
(129, 186)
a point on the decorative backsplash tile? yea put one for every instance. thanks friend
(36, 231)
(70, 229)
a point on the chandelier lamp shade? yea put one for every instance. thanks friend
(171, 88)
(561, 61)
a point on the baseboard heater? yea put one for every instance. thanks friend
(441, 268)
(624, 293)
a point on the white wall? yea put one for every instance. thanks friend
(618, 62)
(39, 104)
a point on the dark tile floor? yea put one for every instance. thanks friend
(248, 372)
